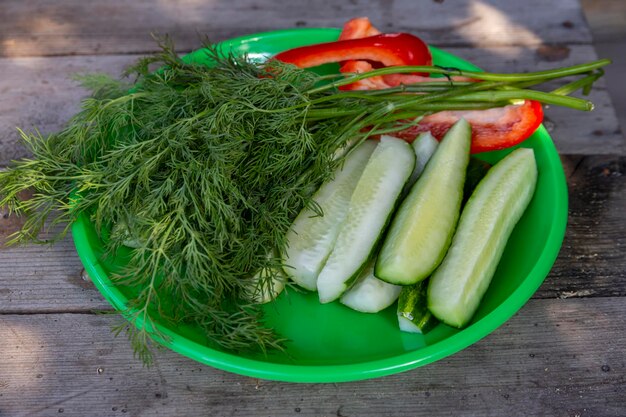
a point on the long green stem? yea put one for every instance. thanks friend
(582, 83)
(421, 87)
(399, 102)
(412, 111)
(412, 100)
(485, 76)
(547, 98)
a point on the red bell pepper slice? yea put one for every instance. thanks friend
(389, 49)
(379, 82)
(359, 27)
(356, 28)
(492, 129)
(372, 83)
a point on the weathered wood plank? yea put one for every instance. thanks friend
(44, 278)
(592, 262)
(40, 93)
(593, 257)
(565, 355)
(606, 19)
(40, 27)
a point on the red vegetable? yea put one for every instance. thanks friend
(388, 49)
(492, 129)
(361, 48)
(386, 81)
(359, 27)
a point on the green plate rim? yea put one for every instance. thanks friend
(362, 370)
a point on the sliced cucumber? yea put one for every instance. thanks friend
(424, 147)
(121, 232)
(423, 227)
(369, 294)
(267, 283)
(312, 237)
(371, 207)
(413, 313)
(493, 210)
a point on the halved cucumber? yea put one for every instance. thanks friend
(488, 219)
(413, 313)
(422, 229)
(369, 294)
(424, 147)
(267, 283)
(312, 237)
(371, 207)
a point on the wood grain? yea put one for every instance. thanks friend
(606, 17)
(593, 257)
(40, 278)
(565, 355)
(43, 27)
(39, 93)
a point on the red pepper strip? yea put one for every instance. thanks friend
(372, 83)
(359, 27)
(492, 129)
(388, 49)
(386, 81)
(394, 80)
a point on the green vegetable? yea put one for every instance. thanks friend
(205, 169)
(488, 219)
(371, 207)
(313, 234)
(268, 282)
(424, 147)
(422, 229)
(413, 313)
(369, 294)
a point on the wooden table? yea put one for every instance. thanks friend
(563, 354)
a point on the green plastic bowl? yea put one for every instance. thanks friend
(331, 343)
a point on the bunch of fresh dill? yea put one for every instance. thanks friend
(204, 169)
